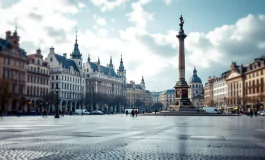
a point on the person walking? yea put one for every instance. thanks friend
(126, 112)
(44, 113)
(135, 113)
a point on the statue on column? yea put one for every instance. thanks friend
(181, 22)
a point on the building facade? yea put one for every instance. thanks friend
(235, 87)
(155, 97)
(208, 92)
(138, 96)
(13, 74)
(104, 80)
(38, 83)
(167, 98)
(196, 91)
(67, 75)
(220, 91)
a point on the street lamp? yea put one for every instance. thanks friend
(57, 105)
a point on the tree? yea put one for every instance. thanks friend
(157, 106)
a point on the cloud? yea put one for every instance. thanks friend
(106, 5)
(167, 2)
(139, 16)
(100, 20)
(35, 16)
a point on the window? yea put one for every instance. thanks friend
(51, 59)
(21, 89)
(56, 77)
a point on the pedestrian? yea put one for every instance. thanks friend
(143, 112)
(126, 112)
(132, 113)
(155, 111)
(1, 114)
(135, 113)
(63, 113)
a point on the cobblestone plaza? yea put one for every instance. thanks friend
(143, 137)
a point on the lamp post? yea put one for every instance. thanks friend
(238, 106)
(57, 103)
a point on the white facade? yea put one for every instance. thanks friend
(196, 91)
(220, 91)
(67, 75)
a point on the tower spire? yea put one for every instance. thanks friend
(110, 62)
(88, 59)
(76, 53)
(98, 61)
(121, 67)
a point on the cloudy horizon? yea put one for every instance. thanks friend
(144, 32)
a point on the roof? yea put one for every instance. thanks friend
(66, 62)
(147, 91)
(5, 45)
(195, 78)
(169, 91)
(137, 86)
(106, 70)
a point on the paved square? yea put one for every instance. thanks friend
(143, 137)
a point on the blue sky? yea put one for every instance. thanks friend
(144, 31)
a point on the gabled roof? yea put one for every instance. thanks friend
(105, 70)
(138, 86)
(66, 63)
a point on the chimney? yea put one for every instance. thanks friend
(38, 51)
(52, 50)
(65, 55)
(8, 34)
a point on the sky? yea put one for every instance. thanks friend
(144, 32)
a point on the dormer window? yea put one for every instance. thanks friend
(51, 59)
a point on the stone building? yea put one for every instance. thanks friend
(208, 92)
(67, 75)
(235, 85)
(220, 91)
(13, 71)
(167, 98)
(196, 91)
(155, 97)
(138, 92)
(38, 83)
(104, 79)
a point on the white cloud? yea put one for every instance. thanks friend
(113, 20)
(139, 16)
(106, 5)
(102, 32)
(100, 20)
(167, 2)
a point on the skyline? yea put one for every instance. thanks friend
(138, 31)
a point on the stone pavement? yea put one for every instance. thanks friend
(144, 137)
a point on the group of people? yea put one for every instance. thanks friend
(134, 112)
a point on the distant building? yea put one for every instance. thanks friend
(155, 96)
(104, 80)
(138, 92)
(38, 83)
(208, 92)
(167, 98)
(220, 91)
(196, 91)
